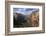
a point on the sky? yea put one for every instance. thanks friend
(25, 11)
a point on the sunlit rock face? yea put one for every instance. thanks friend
(34, 19)
(26, 17)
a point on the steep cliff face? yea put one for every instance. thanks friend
(35, 19)
(19, 20)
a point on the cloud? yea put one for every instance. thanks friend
(25, 11)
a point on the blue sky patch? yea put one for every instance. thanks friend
(25, 11)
